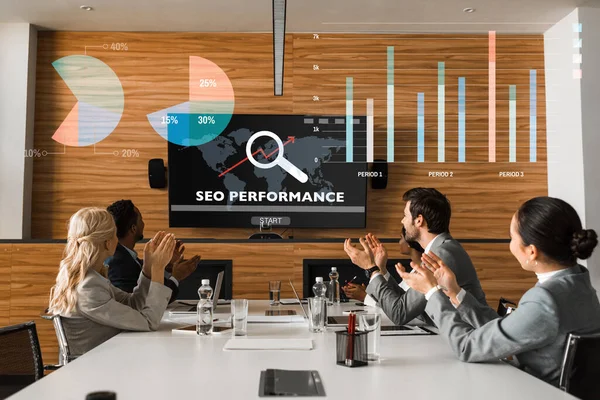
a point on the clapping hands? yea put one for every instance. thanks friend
(157, 253)
(184, 268)
(378, 250)
(432, 272)
(177, 266)
(363, 258)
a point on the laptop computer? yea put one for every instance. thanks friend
(184, 308)
(298, 298)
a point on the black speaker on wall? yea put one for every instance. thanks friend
(157, 176)
(379, 176)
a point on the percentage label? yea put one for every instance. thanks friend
(169, 119)
(130, 153)
(208, 83)
(31, 153)
(206, 119)
(315, 98)
(119, 47)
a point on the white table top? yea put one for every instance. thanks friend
(163, 365)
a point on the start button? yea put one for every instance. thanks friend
(270, 221)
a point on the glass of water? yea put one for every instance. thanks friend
(317, 309)
(239, 316)
(275, 292)
(371, 323)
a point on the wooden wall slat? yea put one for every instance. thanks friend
(154, 75)
(5, 276)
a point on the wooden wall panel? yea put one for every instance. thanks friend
(34, 268)
(499, 272)
(254, 265)
(154, 73)
(5, 276)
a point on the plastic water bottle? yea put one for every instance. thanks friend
(334, 287)
(319, 310)
(204, 324)
(319, 288)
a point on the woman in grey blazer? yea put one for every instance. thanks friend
(546, 238)
(93, 310)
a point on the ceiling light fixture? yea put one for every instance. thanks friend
(87, 8)
(469, 10)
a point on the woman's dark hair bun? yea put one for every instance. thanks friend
(583, 243)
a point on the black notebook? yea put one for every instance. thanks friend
(280, 382)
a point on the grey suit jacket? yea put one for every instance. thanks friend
(535, 332)
(401, 307)
(102, 311)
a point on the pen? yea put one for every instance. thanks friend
(351, 280)
(350, 347)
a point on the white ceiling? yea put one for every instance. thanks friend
(311, 16)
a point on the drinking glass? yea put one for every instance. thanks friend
(371, 323)
(274, 292)
(317, 309)
(239, 316)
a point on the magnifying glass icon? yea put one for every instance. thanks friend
(279, 160)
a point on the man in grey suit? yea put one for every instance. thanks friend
(426, 221)
(546, 238)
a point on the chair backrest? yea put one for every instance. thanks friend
(581, 366)
(505, 307)
(64, 356)
(20, 358)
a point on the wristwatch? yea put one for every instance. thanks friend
(371, 271)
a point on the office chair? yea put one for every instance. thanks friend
(64, 354)
(505, 307)
(20, 358)
(581, 366)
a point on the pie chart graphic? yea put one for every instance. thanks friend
(100, 100)
(205, 115)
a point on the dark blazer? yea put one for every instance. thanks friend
(124, 272)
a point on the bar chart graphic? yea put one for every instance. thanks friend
(451, 106)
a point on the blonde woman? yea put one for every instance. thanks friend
(93, 309)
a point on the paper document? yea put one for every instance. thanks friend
(275, 319)
(268, 344)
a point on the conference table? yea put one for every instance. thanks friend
(173, 365)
